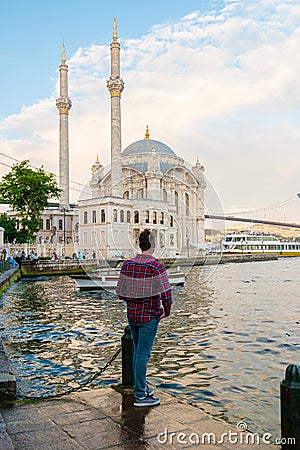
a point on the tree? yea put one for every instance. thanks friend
(28, 192)
(10, 227)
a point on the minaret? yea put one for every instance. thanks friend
(115, 85)
(63, 104)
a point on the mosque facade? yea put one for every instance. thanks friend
(146, 186)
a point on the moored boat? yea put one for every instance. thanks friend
(107, 279)
(258, 243)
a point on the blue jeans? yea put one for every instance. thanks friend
(143, 335)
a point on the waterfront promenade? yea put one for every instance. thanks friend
(106, 419)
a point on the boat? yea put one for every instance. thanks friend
(107, 279)
(258, 243)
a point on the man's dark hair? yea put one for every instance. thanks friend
(146, 240)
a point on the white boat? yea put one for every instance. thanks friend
(244, 243)
(107, 279)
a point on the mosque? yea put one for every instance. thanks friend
(145, 186)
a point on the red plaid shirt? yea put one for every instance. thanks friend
(144, 285)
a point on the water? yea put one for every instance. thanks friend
(224, 348)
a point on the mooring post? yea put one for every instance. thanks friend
(127, 359)
(290, 408)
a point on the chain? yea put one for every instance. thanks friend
(58, 394)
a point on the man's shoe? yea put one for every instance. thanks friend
(149, 391)
(146, 401)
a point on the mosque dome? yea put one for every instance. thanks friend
(146, 146)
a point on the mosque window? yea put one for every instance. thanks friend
(48, 224)
(162, 218)
(122, 215)
(41, 224)
(136, 217)
(128, 216)
(126, 194)
(102, 215)
(60, 224)
(171, 240)
(165, 195)
(171, 221)
(176, 201)
(140, 193)
(85, 217)
(102, 237)
(147, 217)
(187, 204)
(94, 216)
(154, 217)
(115, 215)
(161, 239)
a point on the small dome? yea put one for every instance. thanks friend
(145, 146)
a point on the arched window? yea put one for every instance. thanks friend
(171, 221)
(136, 217)
(187, 204)
(60, 224)
(161, 239)
(102, 215)
(128, 216)
(140, 193)
(94, 216)
(48, 224)
(165, 195)
(115, 215)
(41, 224)
(85, 217)
(176, 201)
(147, 217)
(126, 194)
(122, 215)
(162, 218)
(154, 217)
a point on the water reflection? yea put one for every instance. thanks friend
(224, 348)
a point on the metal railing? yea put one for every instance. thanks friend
(4, 265)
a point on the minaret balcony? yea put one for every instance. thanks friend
(63, 105)
(115, 86)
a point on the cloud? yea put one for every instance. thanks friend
(222, 85)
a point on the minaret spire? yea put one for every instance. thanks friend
(63, 54)
(115, 85)
(115, 34)
(63, 104)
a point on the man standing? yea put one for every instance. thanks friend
(144, 285)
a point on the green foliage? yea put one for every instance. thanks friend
(28, 192)
(10, 228)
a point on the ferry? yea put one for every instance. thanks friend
(257, 243)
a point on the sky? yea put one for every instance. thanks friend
(218, 80)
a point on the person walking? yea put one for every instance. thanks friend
(144, 285)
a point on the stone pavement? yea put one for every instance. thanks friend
(106, 419)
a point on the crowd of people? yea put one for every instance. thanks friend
(18, 257)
